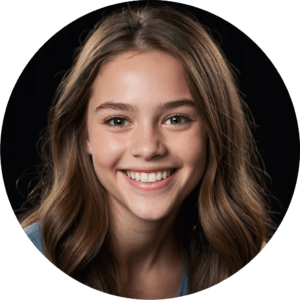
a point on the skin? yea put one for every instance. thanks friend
(147, 139)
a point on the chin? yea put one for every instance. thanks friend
(153, 212)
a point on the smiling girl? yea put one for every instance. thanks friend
(153, 188)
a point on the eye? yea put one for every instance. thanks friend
(117, 122)
(177, 120)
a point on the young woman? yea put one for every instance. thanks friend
(152, 187)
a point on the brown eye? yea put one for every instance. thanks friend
(177, 120)
(117, 122)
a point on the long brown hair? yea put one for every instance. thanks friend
(231, 220)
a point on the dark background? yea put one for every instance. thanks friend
(265, 93)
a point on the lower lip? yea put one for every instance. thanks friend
(149, 186)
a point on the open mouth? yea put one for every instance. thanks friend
(149, 176)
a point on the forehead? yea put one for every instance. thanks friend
(141, 78)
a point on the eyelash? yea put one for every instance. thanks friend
(106, 122)
(185, 117)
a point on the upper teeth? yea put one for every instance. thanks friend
(148, 177)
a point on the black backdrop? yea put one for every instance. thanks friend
(265, 93)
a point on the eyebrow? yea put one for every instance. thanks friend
(130, 107)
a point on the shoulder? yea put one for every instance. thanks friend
(34, 233)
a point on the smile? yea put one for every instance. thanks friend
(149, 177)
(149, 181)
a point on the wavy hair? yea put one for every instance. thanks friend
(227, 219)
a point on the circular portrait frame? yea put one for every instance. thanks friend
(276, 262)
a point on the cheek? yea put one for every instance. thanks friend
(106, 150)
(192, 148)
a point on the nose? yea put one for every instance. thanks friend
(148, 143)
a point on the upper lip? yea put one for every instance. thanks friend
(148, 170)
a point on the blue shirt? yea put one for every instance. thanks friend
(34, 233)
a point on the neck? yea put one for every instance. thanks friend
(141, 244)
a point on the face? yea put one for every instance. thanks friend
(146, 139)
